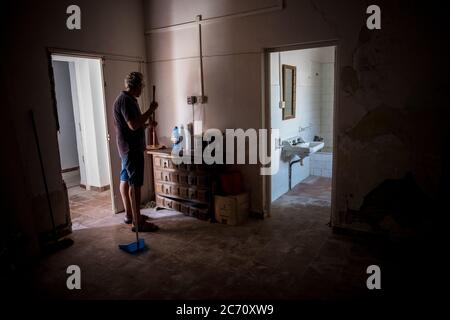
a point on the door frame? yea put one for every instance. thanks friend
(335, 218)
(101, 58)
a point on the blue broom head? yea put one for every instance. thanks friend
(133, 246)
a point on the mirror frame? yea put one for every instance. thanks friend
(286, 67)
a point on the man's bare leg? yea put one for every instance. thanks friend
(135, 196)
(125, 193)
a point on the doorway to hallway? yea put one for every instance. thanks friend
(82, 138)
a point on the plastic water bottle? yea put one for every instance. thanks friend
(175, 136)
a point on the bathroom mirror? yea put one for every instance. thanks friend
(289, 82)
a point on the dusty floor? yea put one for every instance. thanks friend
(72, 178)
(292, 255)
(312, 190)
(89, 208)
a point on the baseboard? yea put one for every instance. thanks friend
(98, 189)
(94, 188)
(70, 169)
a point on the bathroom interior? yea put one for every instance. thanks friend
(302, 103)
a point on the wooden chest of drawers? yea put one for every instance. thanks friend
(187, 188)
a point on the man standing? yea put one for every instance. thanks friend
(130, 129)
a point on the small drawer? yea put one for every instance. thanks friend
(165, 176)
(192, 193)
(183, 192)
(166, 189)
(202, 181)
(202, 195)
(175, 190)
(157, 161)
(193, 212)
(200, 168)
(159, 187)
(168, 203)
(174, 177)
(176, 206)
(184, 209)
(183, 178)
(192, 180)
(159, 175)
(165, 163)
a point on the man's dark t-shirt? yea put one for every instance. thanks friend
(126, 108)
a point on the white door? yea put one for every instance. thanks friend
(114, 73)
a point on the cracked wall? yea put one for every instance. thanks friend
(392, 99)
(396, 83)
(391, 105)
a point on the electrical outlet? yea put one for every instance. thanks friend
(202, 99)
(191, 100)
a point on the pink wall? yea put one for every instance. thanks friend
(381, 83)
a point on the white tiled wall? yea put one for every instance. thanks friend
(321, 164)
(327, 100)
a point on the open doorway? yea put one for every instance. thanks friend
(302, 89)
(82, 138)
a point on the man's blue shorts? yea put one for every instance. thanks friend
(133, 168)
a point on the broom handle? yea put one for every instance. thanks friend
(154, 117)
(41, 162)
(135, 215)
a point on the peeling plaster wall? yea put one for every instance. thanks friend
(391, 98)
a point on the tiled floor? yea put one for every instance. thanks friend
(313, 189)
(89, 208)
(294, 254)
(72, 178)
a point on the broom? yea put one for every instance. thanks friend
(55, 243)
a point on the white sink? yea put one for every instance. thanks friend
(311, 147)
(294, 146)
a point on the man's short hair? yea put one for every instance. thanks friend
(133, 80)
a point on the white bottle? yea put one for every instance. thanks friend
(187, 139)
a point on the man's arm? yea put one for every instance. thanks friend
(139, 121)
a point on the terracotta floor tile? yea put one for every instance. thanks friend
(87, 207)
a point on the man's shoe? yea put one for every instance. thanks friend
(127, 220)
(146, 227)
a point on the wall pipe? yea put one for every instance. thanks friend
(290, 170)
(189, 24)
(200, 53)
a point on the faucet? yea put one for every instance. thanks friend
(301, 129)
(299, 140)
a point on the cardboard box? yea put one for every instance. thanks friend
(232, 210)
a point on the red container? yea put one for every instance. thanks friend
(231, 183)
